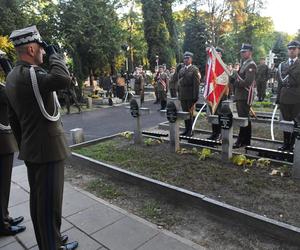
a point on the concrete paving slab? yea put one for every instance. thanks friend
(13, 246)
(17, 195)
(27, 237)
(6, 240)
(85, 242)
(95, 218)
(20, 210)
(75, 202)
(19, 173)
(125, 234)
(65, 225)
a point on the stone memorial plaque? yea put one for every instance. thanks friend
(171, 112)
(134, 108)
(225, 120)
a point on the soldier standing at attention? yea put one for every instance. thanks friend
(70, 94)
(162, 87)
(242, 92)
(173, 82)
(8, 145)
(262, 76)
(139, 83)
(36, 124)
(189, 82)
(288, 95)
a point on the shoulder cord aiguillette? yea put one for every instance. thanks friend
(39, 99)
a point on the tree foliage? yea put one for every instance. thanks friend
(195, 38)
(91, 34)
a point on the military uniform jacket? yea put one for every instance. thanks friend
(138, 83)
(262, 74)
(245, 77)
(189, 82)
(8, 143)
(289, 83)
(173, 81)
(162, 82)
(39, 139)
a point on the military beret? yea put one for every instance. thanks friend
(294, 44)
(161, 66)
(246, 47)
(219, 50)
(188, 54)
(25, 36)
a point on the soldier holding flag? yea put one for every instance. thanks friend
(244, 93)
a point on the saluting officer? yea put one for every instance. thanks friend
(189, 82)
(243, 94)
(162, 86)
(288, 95)
(35, 120)
(8, 145)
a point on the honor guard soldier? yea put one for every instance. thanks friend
(262, 76)
(139, 83)
(189, 82)
(243, 93)
(35, 121)
(8, 145)
(288, 95)
(162, 86)
(173, 82)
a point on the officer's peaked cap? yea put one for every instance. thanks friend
(188, 54)
(246, 47)
(294, 44)
(25, 36)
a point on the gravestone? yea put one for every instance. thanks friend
(228, 121)
(174, 117)
(293, 127)
(136, 112)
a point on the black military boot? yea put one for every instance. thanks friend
(185, 129)
(216, 133)
(189, 132)
(247, 135)
(240, 140)
(292, 141)
(286, 142)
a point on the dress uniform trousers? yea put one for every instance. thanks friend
(188, 106)
(46, 183)
(6, 161)
(243, 110)
(290, 111)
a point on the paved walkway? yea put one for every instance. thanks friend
(93, 222)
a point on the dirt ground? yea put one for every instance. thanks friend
(253, 189)
(181, 219)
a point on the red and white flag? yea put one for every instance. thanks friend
(217, 78)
